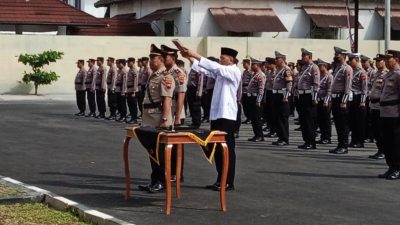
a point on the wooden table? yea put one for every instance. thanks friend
(170, 139)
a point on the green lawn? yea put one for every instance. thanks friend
(9, 192)
(35, 214)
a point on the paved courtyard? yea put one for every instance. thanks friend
(43, 144)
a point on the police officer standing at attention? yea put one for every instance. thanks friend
(157, 105)
(367, 65)
(111, 97)
(390, 115)
(132, 90)
(324, 103)
(357, 105)
(194, 94)
(268, 97)
(377, 80)
(308, 87)
(341, 91)
(246, 77)
(255, 93)
(144, 76)
(121, 89)
(90, 84)
(282, 88)
(80, 87)
(101, 87)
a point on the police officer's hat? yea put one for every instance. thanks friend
(364, 58)
(270, 60)
(340, 50)
(392, 53)
(321, 62)
(229, 51)
(306, 52)
(80, 61)
(155, 51)
(145, 58)
(123, 61)
(101, 59)
(354, 55)
(131, 59)
(111, 59)
(256, 61)
(246, 60)
(379, 57)
(91, 60)
(169, 51)
(280, 55)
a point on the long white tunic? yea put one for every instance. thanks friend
(227, 80)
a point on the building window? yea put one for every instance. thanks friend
(169, 28)
(78, 4)
(322, 32)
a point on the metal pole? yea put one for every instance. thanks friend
(356, 10)
(387, 24)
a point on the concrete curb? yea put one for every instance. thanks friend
(60, 203)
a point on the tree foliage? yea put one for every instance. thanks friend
(39, 76)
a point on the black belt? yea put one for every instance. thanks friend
(88, 82)
(152, 105)
(389, 103)
(375, 100)
(118, 85)
(130, 86)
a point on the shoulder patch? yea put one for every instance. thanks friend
(289, 77)
(181, 78)
(168, 81)
(165, 72)
(363, 76)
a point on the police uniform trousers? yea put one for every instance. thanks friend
(206, 103)
(324, 120)
(194, 103)
(281, 111)
(140, 98)
(101, 102)
(255, 116)
(340, 117)
(357, 119)
(81, 101)
(307, 118)
(132, 105)
(227, 126)
(91, 98)
(369, 133)
(291, 105)
(267, 111)
(121, 104)
(376, 128)
(238, 122)
(158, 172)
(112, 102)
(391, 141)
(245, 105)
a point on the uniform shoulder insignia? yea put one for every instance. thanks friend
(165, 72)
(363, 76)
(168, 81)
(181, 78)
(177, 71)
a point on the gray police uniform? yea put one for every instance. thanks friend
(193, 95)
(132, 85)
(324, 113)
(255, 93)
(111, 97)
(101, 88)
(246, 77)
(120, 92)
(80, 90)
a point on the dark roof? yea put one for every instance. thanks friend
(330, 16)
(156, 15)
(44, 12)
(105, 3)
(120, 25)
(247, 19)
(394, 17)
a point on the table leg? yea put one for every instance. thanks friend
(178, 170)
(225, 156)
(126, 165)
(167, 170)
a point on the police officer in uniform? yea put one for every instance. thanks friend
(282, 88)
(194, 94)
(390, 115)
(367, 65)
(268, 97)
(255, 93)
(157, 105)
(324, 103)
(121, 89)
(80, 87)
(377, 80)
(90, 84)
(246, 77)
(132, 90)
(308, 87)
(341, 92)
(101, 88)
(357, 105)
(111, 97)
(209, 90)
(144, 76)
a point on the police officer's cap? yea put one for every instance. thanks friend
(322, 62)
(340, 50)
(101, 59)
(306, 52)
(131, 59)
(91, 60)
(145, 58)
(379, 57)
(81, 61)
(123, 61)
(111, 59)
(256, 61)
(246, 60)
(155, 51)
(364, 58)
(229, 51)
(280, 55)
(354, 55)
(392, 53)
(169, 51)
(270, 60)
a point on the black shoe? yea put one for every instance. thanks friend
(79, 114)
(213, 186)
(257, 139)
(395, 175)
(121, 119)
(92, 114)
(324, 142)
(271, 135)
(386, 174)
(251, 139)
(280, 143)
(229, 187)
(145, 187)
(247, 121)
(307, 146)
(205, 120)
(333, 150)
(111, 117)
(341, 151)
(132, 121)
(296, 123)
(156, 188)
(377, 156)
(356, 145)
(266, 129)
(369, 140)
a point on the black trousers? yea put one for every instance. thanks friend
(245, 105)
(132, 105)
(140, 98)
(206, 103)
(267, 111)
(194, 103)
(121, 104)
(357, 118)
(281, 116)
(227, 126)
(391, 141)
(81, 101)
(112, 102)
(101, 101)
(91, 98)
(369, 133)
(238, 122)
(255, 117)
(324, 120)
(307, 118)
(291, 105)
(157, 171)
(376, 128)
(341, 119)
